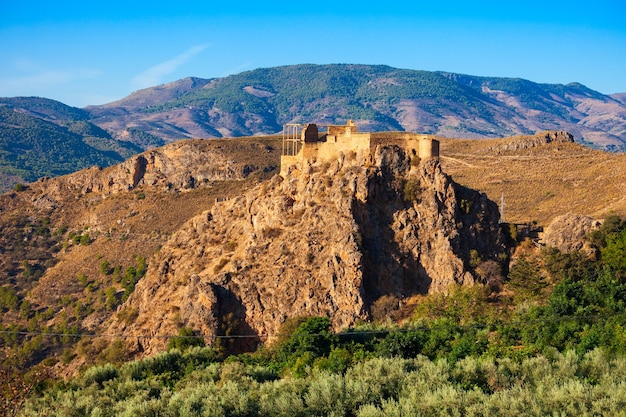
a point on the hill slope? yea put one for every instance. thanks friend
(41, 137)
(539, 177)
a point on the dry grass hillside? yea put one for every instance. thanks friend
(542, 182)
(56, 234)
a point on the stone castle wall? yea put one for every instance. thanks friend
(345, 139)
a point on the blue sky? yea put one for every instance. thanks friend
(82, 54)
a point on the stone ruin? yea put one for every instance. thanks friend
(306, 142)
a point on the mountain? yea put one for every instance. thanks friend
(378, 98)
(619, 97)
(41, 137)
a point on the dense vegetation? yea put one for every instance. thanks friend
(549, 338)
(195, 383)
(40, 137)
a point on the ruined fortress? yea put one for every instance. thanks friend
(305, 142)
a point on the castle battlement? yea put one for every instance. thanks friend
(307, 142)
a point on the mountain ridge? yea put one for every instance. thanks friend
(259, 102)
(383, 98)
(41, 137)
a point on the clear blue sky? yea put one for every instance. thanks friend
(84, 53)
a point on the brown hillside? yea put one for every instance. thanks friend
(539, 180)
(121, 212)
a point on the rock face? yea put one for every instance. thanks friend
(329, 239)
(539, 139)
(568, 233)
(178, 166)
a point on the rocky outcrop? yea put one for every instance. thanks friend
(568, 233)
(329, 240)
(178, 166)
(525, 142)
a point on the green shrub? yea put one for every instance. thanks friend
(84, 239)
(8, 298)
(105, 268)
(613, 254)
(611, 226)
(526, 279)
(411, 190)
(99, 375)
(405, 344)
(111, 298)
(25, 309)
(313, 336)
(283, 398)
(338, 361)
(327, 396)
(199, 400)
(186, 338)
(82, 278)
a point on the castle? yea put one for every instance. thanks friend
(306, 142)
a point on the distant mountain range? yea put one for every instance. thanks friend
(41, 137)
(261, 101)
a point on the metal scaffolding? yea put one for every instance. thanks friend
(292, 138)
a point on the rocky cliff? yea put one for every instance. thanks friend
(329, 239)
(568, 233)
(177, 166)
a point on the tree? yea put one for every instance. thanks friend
(111, 298)
(312, 338)
(105, 268)
(186, 338)
(614, 254)
(8, 298)
(525, 279)
(85, 239)
(612, 225)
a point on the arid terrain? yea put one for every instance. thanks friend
(539, 181)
